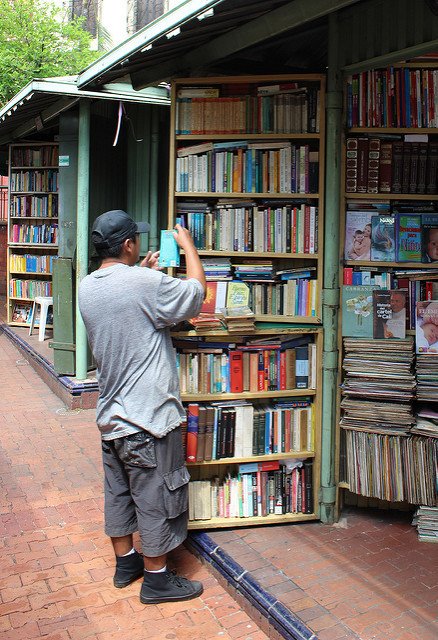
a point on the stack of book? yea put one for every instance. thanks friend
(426, 423)
(217, 268)
(239, 319)
(379, 385)
(427, 377)
(426, 521)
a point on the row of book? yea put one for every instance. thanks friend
(218, 367)
(386, 237)
(29, 288)
(247, 226)
(294, 110)
(392, 467)
(22, 313)
(291, 298)
(35, 233)
(393, 97)
(30, 263)
(375, 165)
(269, 167)
(34, 180)
(243, 430)
(357, 298)
(31, 156)
(34, 206)
(426, 370)
(256, 491)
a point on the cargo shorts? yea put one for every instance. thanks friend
(146, 490)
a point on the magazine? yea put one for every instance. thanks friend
(426, 327)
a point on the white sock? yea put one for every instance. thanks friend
(159, 570)
(129, 553)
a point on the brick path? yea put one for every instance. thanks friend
(56, 565)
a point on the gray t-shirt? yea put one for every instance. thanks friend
(127, 312)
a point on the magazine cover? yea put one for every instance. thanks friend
(383, 238)
(357, 311)
(429, 238)
(426, 327)
(358, 235)
(389, 314)
(408, 237)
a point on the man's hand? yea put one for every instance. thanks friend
(151, 261)
(183, 237)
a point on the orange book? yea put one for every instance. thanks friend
(253, 371)
(236, 371)
(192, 432)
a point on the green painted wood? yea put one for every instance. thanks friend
(63, 316)
(68, 183)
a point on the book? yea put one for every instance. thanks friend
(169, 250)
(358, 235)
(426, 327)
(429, 238)
(383, 238)
(302, 367)
(21, 312)
(237, 294)
(357, 311)
(389, 314)
(408, 237)
(192, 432)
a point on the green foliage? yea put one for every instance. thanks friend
(37, 41)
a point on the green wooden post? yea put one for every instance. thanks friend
(82, 230)
(330, 307)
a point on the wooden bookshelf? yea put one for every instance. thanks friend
(31, 167)
(236, 166)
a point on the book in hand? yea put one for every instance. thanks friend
(358, 235)
(389, 314)
(426, 327)
(383, 238)
(429, 238)
(357, 311)
(169, 250)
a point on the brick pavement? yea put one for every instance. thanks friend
(56, 564)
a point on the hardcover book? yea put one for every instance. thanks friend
(358, 235)
(383, 238)
(389, 314)
(426, 327)
(357, 311)
(429, 238)
(408, 237)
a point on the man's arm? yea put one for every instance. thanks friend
(194, 266)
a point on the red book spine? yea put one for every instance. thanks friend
(261, 372)
(428, 290)
(192, 432)
(236, 371)
(306, 228)
(282, 370)
(348, 275)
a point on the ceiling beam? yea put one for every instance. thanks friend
(392, 57)
(269, 25)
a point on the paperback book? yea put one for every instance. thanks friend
(389, 314)
(429, 238)
(169, 250)
(358, 235)
(426, 327)
(383, 238)
(357, 311)
(408, 238)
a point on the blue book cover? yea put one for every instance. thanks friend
(429, 238)
(169, 250)
(383, 238)
(357, 311)
(408, 237)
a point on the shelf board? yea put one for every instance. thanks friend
(29, 273)
(33, 217)
(247, 136)
(267, 255)
(216, 523)
(394, 130)
(343, 485)
(278, 330)
(41, 167)
(34, 245)
(246, 196)
(271, 456)
(22, 299)
(284, 318)
(41, 193)
(390, 196)
(27, 324)
(398, 265)
(245, 395)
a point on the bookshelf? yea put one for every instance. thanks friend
(389, 184)
(247, 179)
(32, 226)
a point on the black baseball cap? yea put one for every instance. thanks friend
(113, 227)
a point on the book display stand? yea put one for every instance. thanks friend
(389, 425)
(32, 226)
(247, 179)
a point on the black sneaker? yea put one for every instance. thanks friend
(128, 569)
(168, 587)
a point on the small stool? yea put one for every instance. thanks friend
(44, 303)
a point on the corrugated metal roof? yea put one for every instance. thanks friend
(199, 33)
(44, 99)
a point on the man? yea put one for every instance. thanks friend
(395, 326)
(127, 311)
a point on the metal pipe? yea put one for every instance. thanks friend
(82, 230)
(330, 307)
(153, 184)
